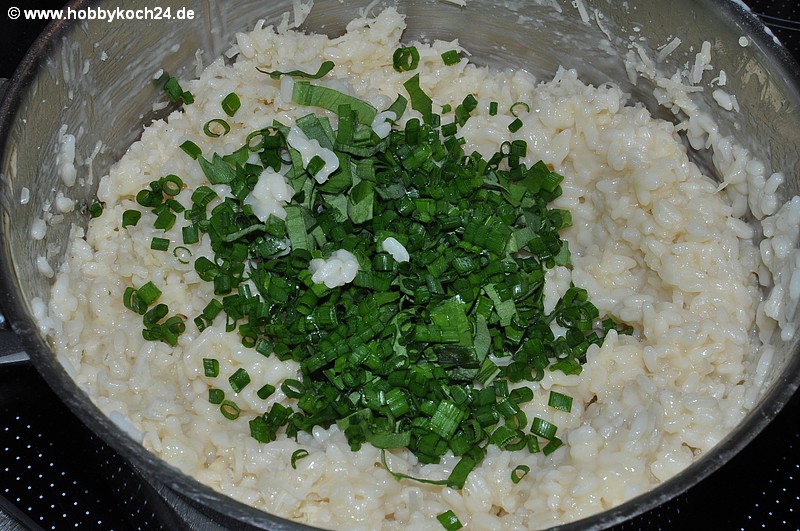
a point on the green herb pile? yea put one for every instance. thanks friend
(405, 355)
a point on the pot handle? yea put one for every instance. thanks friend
(11, 351)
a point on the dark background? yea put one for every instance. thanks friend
(54, 474)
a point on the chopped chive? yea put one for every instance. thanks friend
(315, 165)
(211, 367)
(171, 185)
(446, 419)
(543, 428)
(151, 198)
(298, 455)
(519, 472)
(449, 129)
(470, 103)
(165, 220)
(203, 195)
(216, 396)
(292, 388)
(148, 293)
(130, 218)
(159, 244)
(216, 127)
(552, 446)
(451, 57)
(533, 444)
(560, 401)
(515, 126)
(492, 108)
(265, 391)
(405, 59)
(191, 234)
(154, 315)
(176, 93)
(449, 520)
(95, 210)
(132, 301)
(173, 89)
(229, 410)
(239, 379)
(516, 107)
(230, 104)
(264, 347)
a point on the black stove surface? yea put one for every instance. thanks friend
(55, 474)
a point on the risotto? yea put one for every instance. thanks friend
(658, 247)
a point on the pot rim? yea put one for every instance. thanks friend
(159, 471)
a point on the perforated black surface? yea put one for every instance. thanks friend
(55, 474)
(56, 471)
(783, 18)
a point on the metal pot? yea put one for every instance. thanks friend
(94, 76)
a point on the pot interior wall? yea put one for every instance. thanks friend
(96, 79)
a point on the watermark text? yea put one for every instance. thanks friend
(100, 13)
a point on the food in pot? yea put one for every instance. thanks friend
(361, 283)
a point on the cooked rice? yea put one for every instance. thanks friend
(656, 243)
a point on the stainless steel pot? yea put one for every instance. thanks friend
(95, 77)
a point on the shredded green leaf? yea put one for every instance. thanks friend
(304, 93)
(191, 149)
(324, 68)
(420, 101)
(217, 171)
